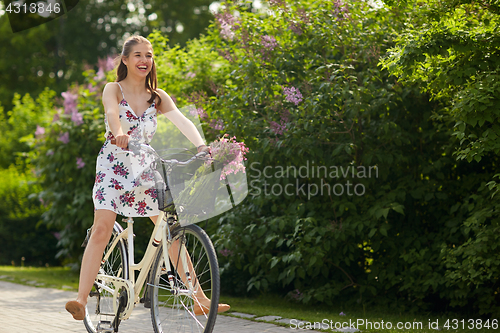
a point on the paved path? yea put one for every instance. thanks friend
(25, 309)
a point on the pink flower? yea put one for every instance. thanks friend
(226, 31)
(296, 28)
(91, 88)
(217, 124)
(69, 102)
(269, 42)
(341, 10)
(39, 131)
(293, 95)
(226, 21)
(190, 75)
(77, 118)
(100, 75)
(278, 128)
(106, 64)
(199, 112)
(79, 163)
(231, 153)
(64, 138)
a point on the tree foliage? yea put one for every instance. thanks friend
(449, 49)
(55, 54)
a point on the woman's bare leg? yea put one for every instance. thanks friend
(201, 301)
(102, 228)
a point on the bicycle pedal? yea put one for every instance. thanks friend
(107, 327)
(147, 303)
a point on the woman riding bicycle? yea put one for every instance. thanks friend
(116, 191)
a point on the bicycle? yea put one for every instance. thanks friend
(172, 288)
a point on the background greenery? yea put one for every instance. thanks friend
(409, 89)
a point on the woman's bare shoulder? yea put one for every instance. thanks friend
(111, 93)
(111, 87)
(162, 93)
(167, 104)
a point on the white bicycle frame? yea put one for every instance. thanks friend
(132, 286)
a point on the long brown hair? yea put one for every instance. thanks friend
(121, 72)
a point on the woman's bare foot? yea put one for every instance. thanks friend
(77, 309)
(202, 307)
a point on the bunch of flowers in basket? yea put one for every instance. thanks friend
(227, 155)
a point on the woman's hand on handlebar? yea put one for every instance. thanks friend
(203, 148)
(121, 140)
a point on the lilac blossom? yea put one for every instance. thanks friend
(39, 131)
(269, 42)
(278, 3)
(100, 75)
(226, 31)
(293, 95)
(280, 128)
(341, 10)
(77, 118)
(64, 138)
(49, 153)
(217, 124)
(190, 75)
(296, 28)
(69, 102)
(226, 22)
(342, 314)
(79, 163)
(106, 64)
(199, 112)
(226, 54)
(91, 88)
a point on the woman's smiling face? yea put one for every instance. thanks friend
(140, 60)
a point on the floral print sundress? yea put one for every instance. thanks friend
(124, 182)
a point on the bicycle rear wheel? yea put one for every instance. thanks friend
(99, 314)
(176, 310)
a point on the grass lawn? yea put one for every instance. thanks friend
(328, 316)
(323, 316)
(52, 277)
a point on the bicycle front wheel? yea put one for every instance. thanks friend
(100, 314)
(181, 309)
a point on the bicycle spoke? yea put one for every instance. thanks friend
(174, 310)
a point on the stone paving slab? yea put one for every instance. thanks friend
(268, 318)
(27, 309)
(243, 315)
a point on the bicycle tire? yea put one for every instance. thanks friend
(100, 302)
(171, 312)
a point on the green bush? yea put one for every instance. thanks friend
(24, 239)
(390, 244)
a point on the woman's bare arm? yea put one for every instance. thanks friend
(186, 126)
(110, 102)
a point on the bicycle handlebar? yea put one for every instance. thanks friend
(135, 147)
